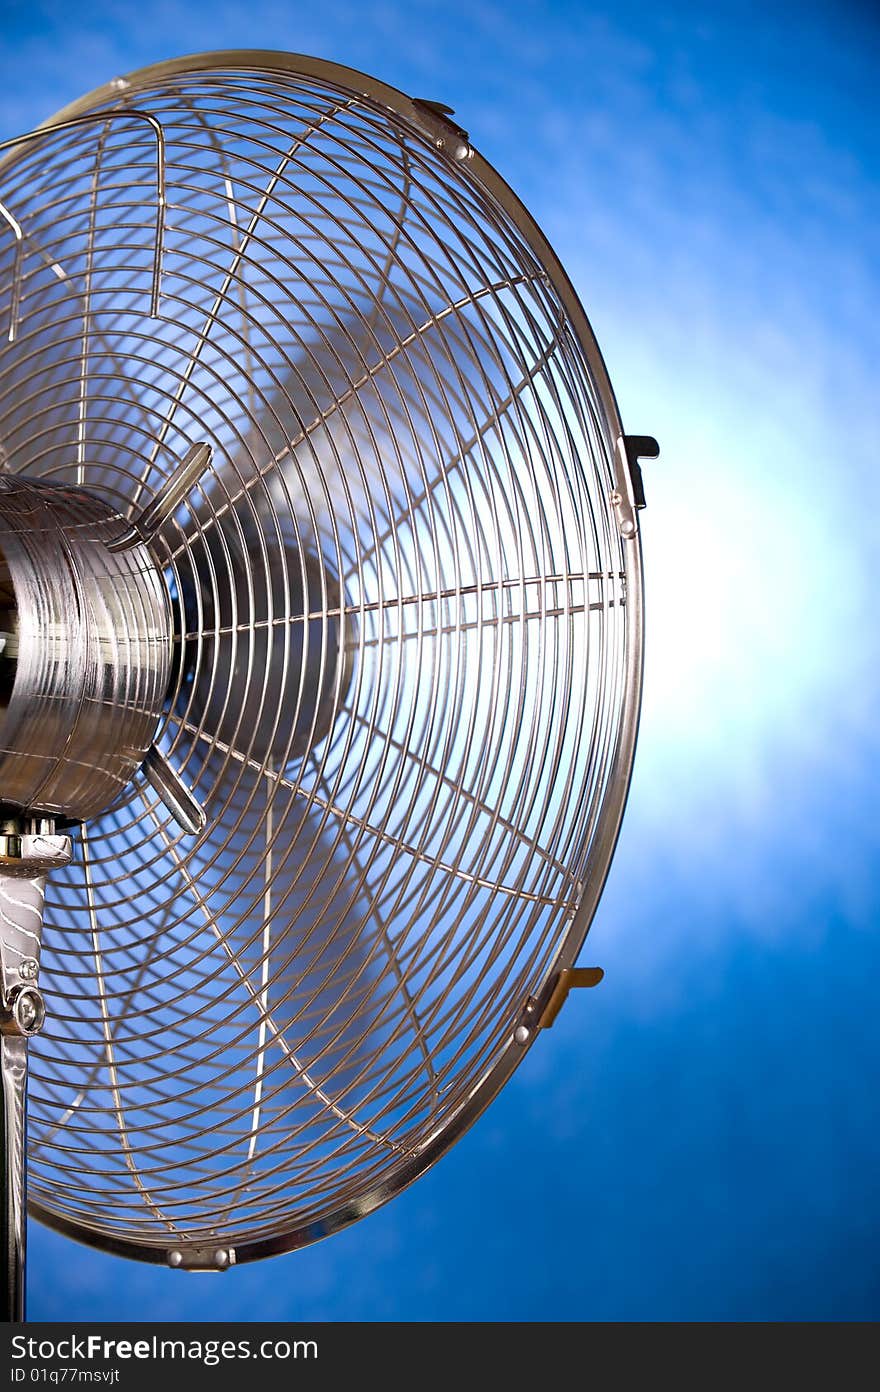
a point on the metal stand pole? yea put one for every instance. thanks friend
(13, 1052)
(28, 851)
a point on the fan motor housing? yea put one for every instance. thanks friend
(86, 652)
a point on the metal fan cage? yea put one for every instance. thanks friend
(408, 641)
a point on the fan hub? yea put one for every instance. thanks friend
(268, 663)
(86, 651)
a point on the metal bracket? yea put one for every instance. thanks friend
(628, 497)
(178, 486)
(173, 793)
(445, 134)
(201, 1258)
(27, 854)
(567, 980)
(539, 1012)
(27, 850)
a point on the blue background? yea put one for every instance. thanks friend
(698, 1139)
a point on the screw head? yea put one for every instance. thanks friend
(29, 1010)
(522, 1034)
(221, 1257)
(28, 968)
(175, 1258)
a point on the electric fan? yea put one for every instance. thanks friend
(320, 652)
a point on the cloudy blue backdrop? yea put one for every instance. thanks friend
(699, 1138)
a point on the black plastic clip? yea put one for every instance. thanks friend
(639, 447)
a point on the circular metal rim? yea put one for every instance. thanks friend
(611, 815)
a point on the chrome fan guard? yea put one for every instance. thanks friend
(407, 643)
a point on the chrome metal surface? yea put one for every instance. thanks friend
(629, 499)
(26, 855)
(195, 1258)
(172, 792)
(162, 508)
(83, 685)
(26, 851)
(25, 860)
(446, 135)
(407, 644)
(13, 1098)
(73, 123)
(26, 1013)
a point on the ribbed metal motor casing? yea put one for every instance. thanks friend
(86, 651)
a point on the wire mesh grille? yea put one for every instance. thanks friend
(399, 668)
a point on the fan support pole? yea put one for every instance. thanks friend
(29, 849)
